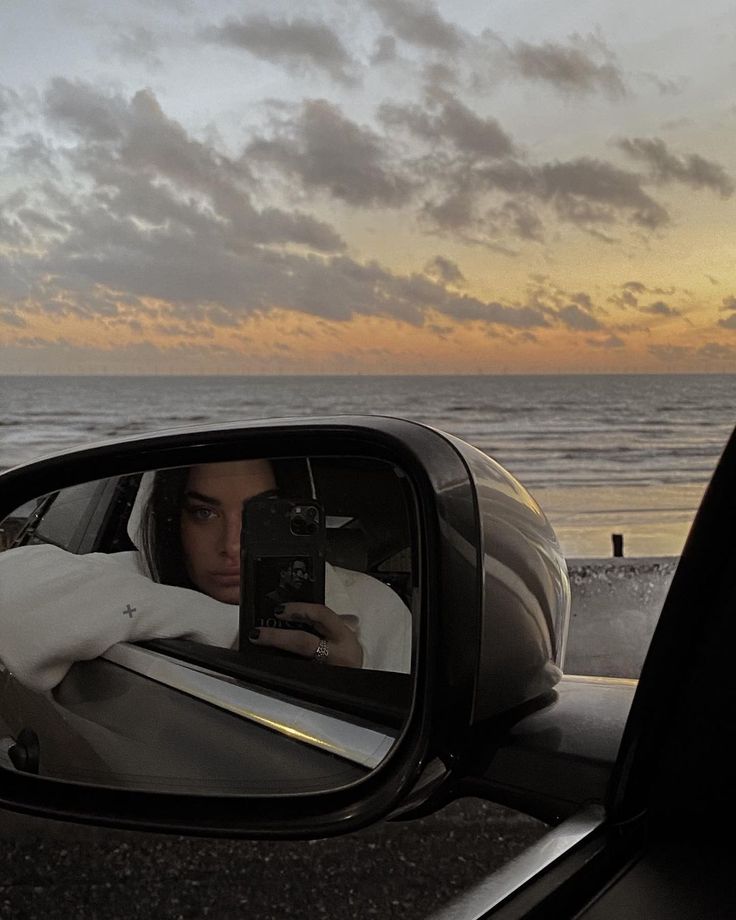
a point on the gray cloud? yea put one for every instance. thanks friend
(455, 123)
(384, 51)
(664, 166)
(729, 322)
(439, 75)
(583, 300)
(453, 212)
(33, 155)
(146, 167)
(660, 308)
(86, 111)
(574, 317)
(36, 221)
(521, 219)
(584, 190)
(582, 65)
(729, 303)
(138, 44)
(328, 151)
(445, 270)
(568, 68)
(11, 318)
(482, 137)
(470, 308)
(7, 100)
(419, 23)
(162, 224)
(295, 43)
(166, 216)
(633, 291)
(187, 276)
(666, 87)
(575, 311)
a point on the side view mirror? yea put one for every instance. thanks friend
(445, 605)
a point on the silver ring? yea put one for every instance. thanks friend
(322, 651)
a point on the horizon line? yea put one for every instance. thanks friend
(276, 376)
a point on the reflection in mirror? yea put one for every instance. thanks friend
(228, 627)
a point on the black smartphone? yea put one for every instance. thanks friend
(282, 559)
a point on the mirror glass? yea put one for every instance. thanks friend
(240, 627)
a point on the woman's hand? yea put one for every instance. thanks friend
(343, 647)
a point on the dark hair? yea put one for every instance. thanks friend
(161, 520)
(161, 528)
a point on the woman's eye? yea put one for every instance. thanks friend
(201, 513)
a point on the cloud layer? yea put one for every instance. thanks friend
(297, 43)
(398, 125)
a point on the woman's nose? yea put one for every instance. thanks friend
(231, 539)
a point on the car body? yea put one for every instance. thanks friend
(634, 779)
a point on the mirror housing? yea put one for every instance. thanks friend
(490, 638)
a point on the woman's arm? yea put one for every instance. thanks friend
(57, 608)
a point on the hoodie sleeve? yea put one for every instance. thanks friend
(379, 617)
(57, 608)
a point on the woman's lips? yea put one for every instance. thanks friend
(226, 578)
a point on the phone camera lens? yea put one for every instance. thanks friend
(305, 520)
(298, 525)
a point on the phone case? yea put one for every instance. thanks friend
(282, 559)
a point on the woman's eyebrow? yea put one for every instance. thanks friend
(198, 496)
(267, 493)
(209, 500)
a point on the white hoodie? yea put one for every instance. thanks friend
(57, 608)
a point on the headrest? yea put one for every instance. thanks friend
(347, 549)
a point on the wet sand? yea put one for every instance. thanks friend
(406, 869)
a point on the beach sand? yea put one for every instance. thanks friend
(616, 603)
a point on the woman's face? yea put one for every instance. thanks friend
(211, 519)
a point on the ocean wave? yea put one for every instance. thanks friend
(568, 429)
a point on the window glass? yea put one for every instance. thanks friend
(66, 517)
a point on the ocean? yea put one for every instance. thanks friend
(602, 454)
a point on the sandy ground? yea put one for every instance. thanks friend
(615, 608)
(404, 869)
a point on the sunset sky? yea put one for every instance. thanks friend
(388, 186)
